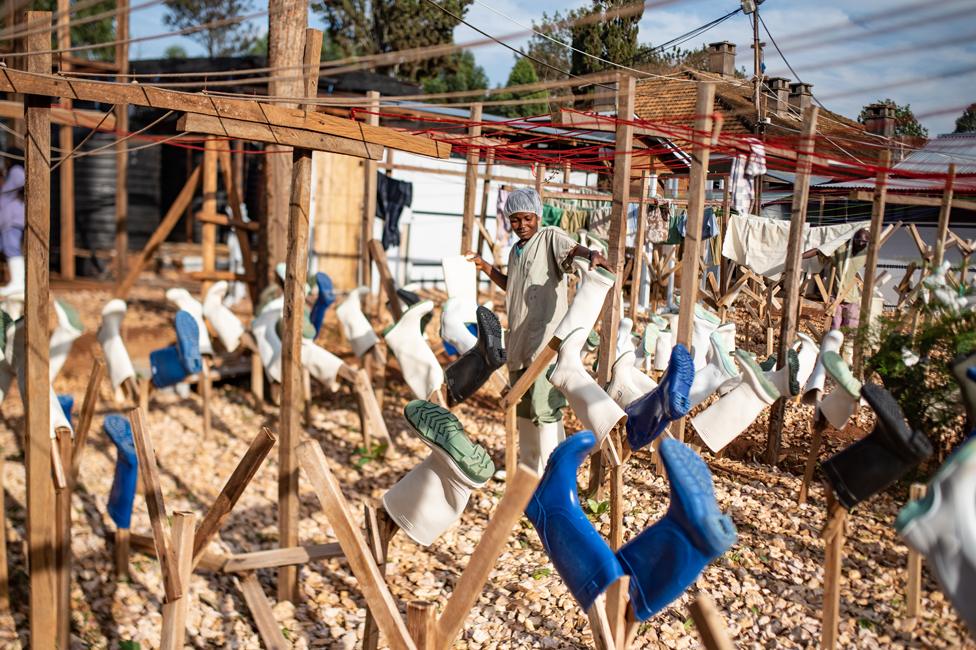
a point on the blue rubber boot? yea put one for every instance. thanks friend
(649, 415)
(123, 492)
(323, 300)
(188, 341)
(167, 369)
(669, 556)
(67, 403)
(580, 555)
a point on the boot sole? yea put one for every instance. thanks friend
(490, 330)
(839, 371)
(691, 482)
(440, 430)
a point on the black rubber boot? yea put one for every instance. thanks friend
(880, 458)
(410, 299)
(959, 367)
(469, 373)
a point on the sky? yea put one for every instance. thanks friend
(913, 51)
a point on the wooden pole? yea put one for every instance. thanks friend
(85, 418)
(635, 278)
(421, 619)
(874, 249)
(485, 190)
(4, 572)
(690, 258)
(37, 430)
(268, 628)
(121, 148)
(914, 583)
(471, 180)
(380, 530)
(791, 272)
(725, 266)
(710, 625)
(944, 210)
(819, 425)
(66, 174)
(208, 229)
(63, 549)
(174, 611)
(290, 421)
(286, 43)
(540, 178)
(369, 200)
(833, 562)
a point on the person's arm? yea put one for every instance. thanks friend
(595, 257)
(810, 254)
(494, 274)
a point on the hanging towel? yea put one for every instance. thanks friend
(551, 215)
(392, 196)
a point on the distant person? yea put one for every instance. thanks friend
(847, 261)
(12, 219)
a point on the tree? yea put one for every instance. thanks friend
(523, 72)
(905, 122)
(966, 123)
(552, 49)
(461, 73)
(226, 40)
(99, 31)
(602, 33)
(175, 52)
(365, 27)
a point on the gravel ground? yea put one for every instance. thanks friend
(768, 586)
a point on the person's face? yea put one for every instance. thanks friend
(524, 224)
(860, 240)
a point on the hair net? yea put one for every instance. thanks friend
(524, 199)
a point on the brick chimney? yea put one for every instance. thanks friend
(800, 96)
(721, 58)
(880, 119)
(778, 102)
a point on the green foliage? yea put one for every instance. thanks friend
(175, 52)
(906, 123)
(227, 40)
(541, 572)
(260, 45)
(596, 508)
(129, 645)
(376, 452)
(460, 72)
(99, 31)
(611, 37)
(363, 27)
(556, 56)
(523, 72)
(966, 123)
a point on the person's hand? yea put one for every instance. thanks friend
(597, 259)
(478, 261)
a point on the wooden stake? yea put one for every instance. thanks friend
(66, 172)
(248, 466)
(37, 430)
(420, 623)
(4, 572)
(380, 530)
(85, 418)
(233, 188)
(874, 250)
(208, 230)
(710, 625)
(616, 606)
(121, 551)
(244, 562)
(290, 420)
(540, 179)
(63, 549)
(791, 272)
(635, 279)
(944, 211)
(483, 237)
(121, 147)
(174, 611)
(600, 624)
(511, 441)
(387, 285)
(819, 425)
(518, 491)
(914, 583)
(264, 620)
(206, 384)
(833, 560)
(369, 204)
(471, 180)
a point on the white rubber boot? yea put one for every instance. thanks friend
(726, 334)
(184, 301)
(14, 305)
(645, 353)
(355, 326)
(16, 285)
(625, 340)
(429, 499)
(704, 324)
(591, 404)
(420, 368)
(454, 330)
(7, 370)
(662, 350)
(831, 342)
(537, 442)
(784, 378)
(588, 302)
(57, 418)
(116, 356)
(627, 382)
(269, 343)
(807, 351)
(723, 421)
(719, 371)
(68, 330)
(228, 326)
(839, 405)
(322, 365)
(460, 278)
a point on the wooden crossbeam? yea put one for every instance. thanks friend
(900, 199)
(62, 116)
(277, 557)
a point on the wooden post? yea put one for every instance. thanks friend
(874, 249)
(690, 258)
(944, 210)
(380, 529)
(725, 266)
(174, 611)
(208, 229)
(369, 200)
(232, 183)
(264, 620)
(63, 549)
(511, 441)
(471, 180)
(485, 190)
(635, 278)
(421, 621)
(121, 148)
(85, 418)
(206, 383)
(710, 625)
(819, 425)
(4, 572)
(833, 560)
(290, 426)
(37, 430)
(387, 285)
(66, 172)
(914, 583)
(791, 271)
(540, 179)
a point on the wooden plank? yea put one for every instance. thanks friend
(63, 545)
(145, 544)
(470, 181)
(369, 204)
(874, 250)
(85, 418)
(277, 557)
(223, 220)
(819, 424)
(542, 361)
(711, 627)
(945, 209)
(268, 628)
(4, 572)
(37, 430)
(791, 272)
(240, 227)
(833, 561)
(66, 177)
(927, 201)
(154, 504)
(174, 611)
(292, 396)
(215, 276)
(600, 624)
(354, 547)
(913, 594)
(278, 135)
(208, 231)
(638, 261)
(421, 618)
(511, 440)
(380, 529)
(518, 491)
(378, 255)
(183, 199)
(229, 495)
(121, 147)
(63, 115)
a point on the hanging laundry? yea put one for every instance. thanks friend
(676, 228)
(574, 220)
(657, 224)
(745, 169)
(502, 227)
(709, 226)
(392, 196)
(600, 222)
(551, 215)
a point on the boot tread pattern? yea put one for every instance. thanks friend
(438, 426)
